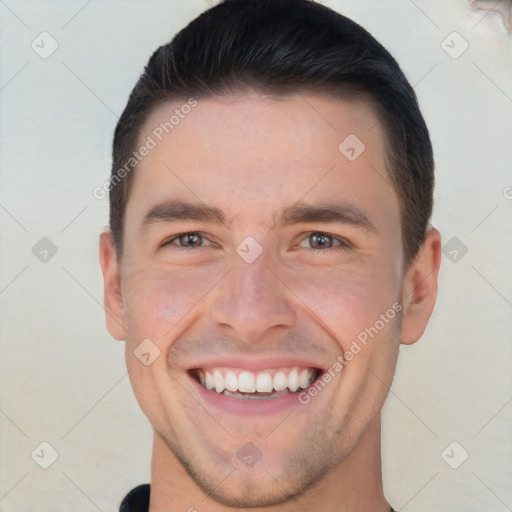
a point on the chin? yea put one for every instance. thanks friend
(251, 491)
(268, 482)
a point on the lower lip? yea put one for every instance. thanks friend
(248, 406)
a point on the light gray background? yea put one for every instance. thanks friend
(63, 379)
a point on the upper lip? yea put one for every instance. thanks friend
(254, 364)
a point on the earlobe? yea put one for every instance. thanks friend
(419, 288)
(112, 295)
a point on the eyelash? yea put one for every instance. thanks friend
(342, 243)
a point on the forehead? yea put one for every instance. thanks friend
(302, 121)
(249, 152)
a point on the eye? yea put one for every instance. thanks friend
(318, 240)
(325, 241)
(186, 240)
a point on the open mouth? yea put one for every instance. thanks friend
(255, 385)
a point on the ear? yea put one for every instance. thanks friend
(419, 288)
(112, 295)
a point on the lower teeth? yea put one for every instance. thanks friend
(252, 396)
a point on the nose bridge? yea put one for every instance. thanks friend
(252, 300)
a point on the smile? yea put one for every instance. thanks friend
(262, 384)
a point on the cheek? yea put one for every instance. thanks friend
(159, 300)
(347, 302)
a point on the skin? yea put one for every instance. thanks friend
(251, 156)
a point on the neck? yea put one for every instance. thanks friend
(354, 485)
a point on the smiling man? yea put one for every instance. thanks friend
(269, 249)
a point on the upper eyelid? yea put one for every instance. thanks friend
(172, 238)
(343, 242)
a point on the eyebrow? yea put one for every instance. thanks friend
(300, 212)
(330, 213)
(169, 211)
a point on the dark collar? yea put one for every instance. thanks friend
(137, 500)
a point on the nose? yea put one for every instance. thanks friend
(252, 301)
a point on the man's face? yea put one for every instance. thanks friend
(222, 314)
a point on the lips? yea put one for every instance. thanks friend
(246, 384)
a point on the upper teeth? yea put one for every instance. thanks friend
(266, 381)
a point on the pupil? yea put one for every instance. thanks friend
(320, 239)
(191, 238)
